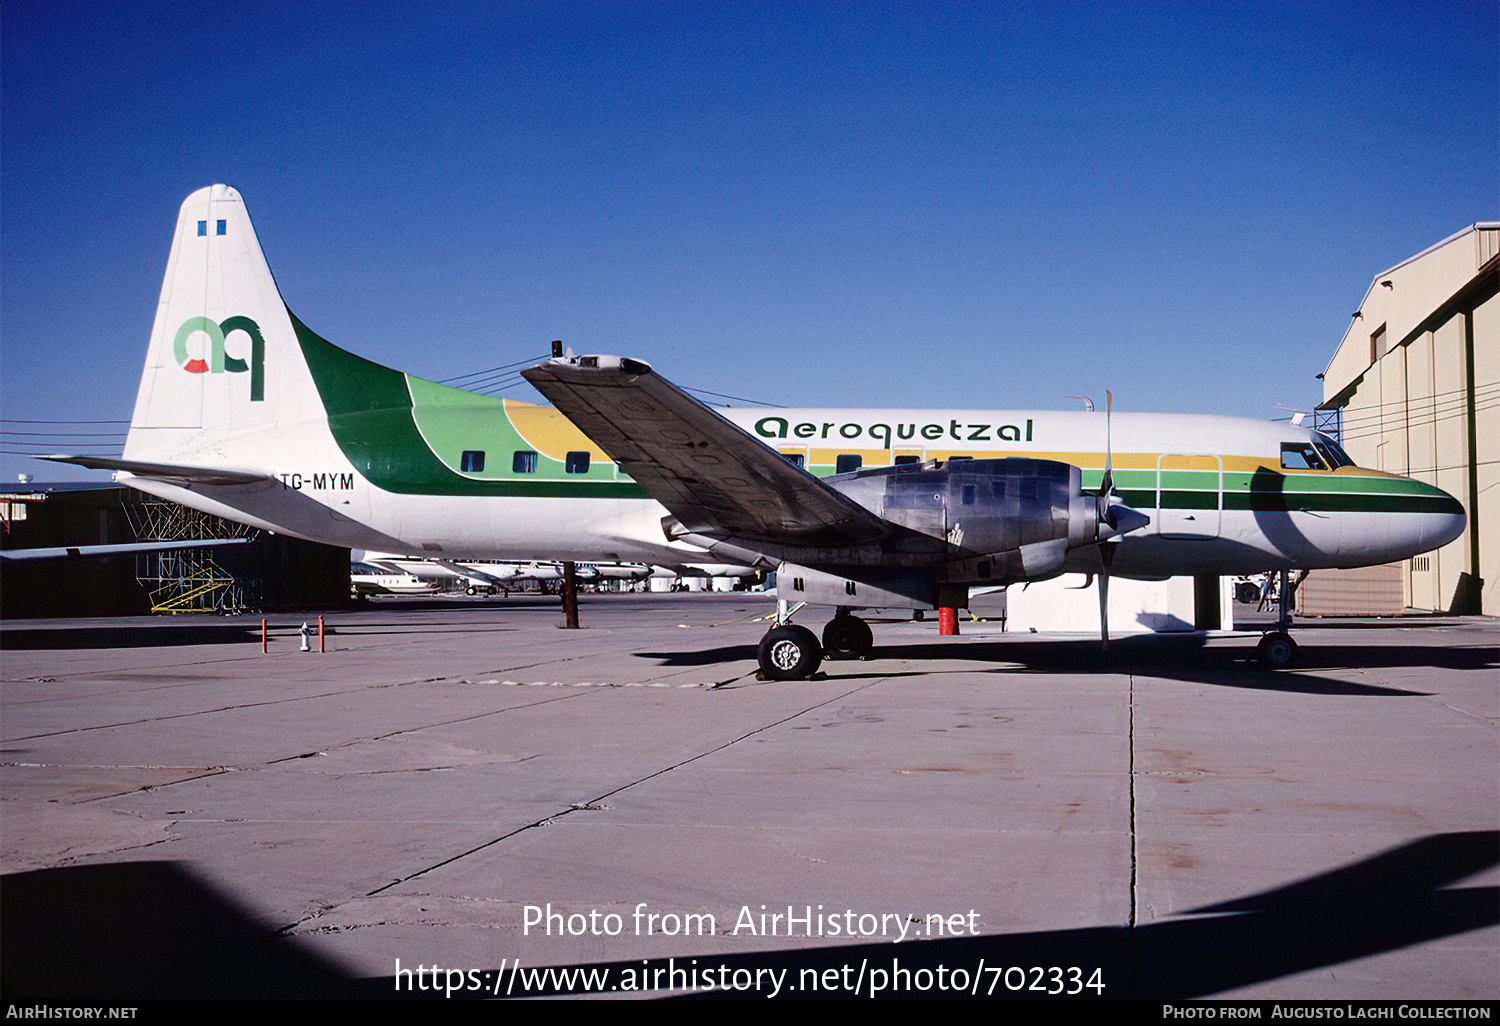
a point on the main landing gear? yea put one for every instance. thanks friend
(789, 652)
(847, 637)
(792, 652)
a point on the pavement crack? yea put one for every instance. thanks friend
(217, 771)
(597, 802)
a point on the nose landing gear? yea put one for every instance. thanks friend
(1277, 650)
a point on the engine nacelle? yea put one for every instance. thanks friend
(987, 520)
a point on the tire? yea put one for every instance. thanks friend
(789, 652)
(1247, 592)
(473, 590)
(1277, 650)
(847, 637)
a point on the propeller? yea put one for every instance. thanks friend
(1106, 549)
(1115, 519)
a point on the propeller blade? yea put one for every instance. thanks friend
(1109, 442)
(1108, 484)
(1106, 557)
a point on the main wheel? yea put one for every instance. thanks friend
(789, 652)
(1277, 650)
(847, 637)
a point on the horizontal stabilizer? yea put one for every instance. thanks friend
(106, 551)
(170, 472)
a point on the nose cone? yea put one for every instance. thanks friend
(1444, 522)
(1400, 518)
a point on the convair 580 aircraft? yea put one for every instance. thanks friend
(245, 412)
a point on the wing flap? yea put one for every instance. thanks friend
(713, 476)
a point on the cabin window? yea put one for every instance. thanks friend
(902, 461)
(960, 459)
(848, 463)
(1301, 456)
(473, 461)
(970, 491)
(796, 459)
(523, 462)
(222, 227)
(577, 463)
(202, 227)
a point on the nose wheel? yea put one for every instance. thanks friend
(1277, 650)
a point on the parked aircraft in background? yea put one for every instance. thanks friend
(245, 412)
(490, 576)
(367, 579)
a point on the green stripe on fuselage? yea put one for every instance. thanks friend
(408, 435)
(452, 422)
(374, 419)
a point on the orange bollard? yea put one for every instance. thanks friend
(320, 634)
(947, 621)
(263, 635)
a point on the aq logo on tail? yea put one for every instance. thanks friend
(219, 360)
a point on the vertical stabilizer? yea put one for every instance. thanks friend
(224, 360)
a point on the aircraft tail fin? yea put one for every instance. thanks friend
(224, 358)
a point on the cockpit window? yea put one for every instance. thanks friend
(1332, 451)
(1301, 456)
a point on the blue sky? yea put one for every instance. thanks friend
(987, 205)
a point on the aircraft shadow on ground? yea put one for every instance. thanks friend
(283, 629)
(138, 636)
(1186, 657)
(152, 930)
(445, 604)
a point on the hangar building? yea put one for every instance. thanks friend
(1414, 389)
(273, 573)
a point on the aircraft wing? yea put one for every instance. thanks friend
(714, 477)
(169, 472)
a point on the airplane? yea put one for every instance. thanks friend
(373, 578)
(245, 412)
(490, 576)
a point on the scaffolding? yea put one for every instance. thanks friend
(1329, 421)
(188, 580)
